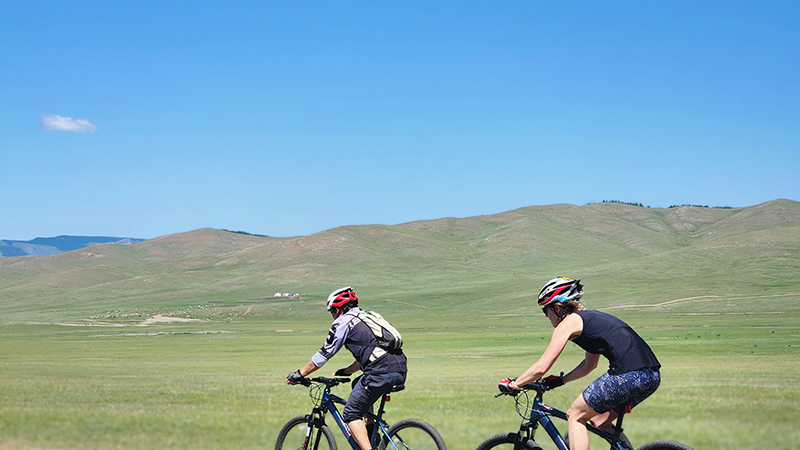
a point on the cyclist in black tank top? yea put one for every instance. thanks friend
(604, 334)
(633, 371)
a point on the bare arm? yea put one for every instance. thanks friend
(309, 368)
(586, 366)
(349, 370)
(570, 327)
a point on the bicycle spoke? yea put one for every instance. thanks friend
(298, 437)
(413, 439)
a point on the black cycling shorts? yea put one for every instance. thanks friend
(368, 389)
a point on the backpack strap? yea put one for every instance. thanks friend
(377, 352)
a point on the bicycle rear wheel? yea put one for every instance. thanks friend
(412, 434)
(664, 445)
(295, 435)
(508, 441)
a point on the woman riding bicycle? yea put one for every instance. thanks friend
(633, 372)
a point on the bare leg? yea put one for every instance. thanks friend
(577, 416)
(359, 431)
(605, 422)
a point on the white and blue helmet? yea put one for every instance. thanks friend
(561, 290)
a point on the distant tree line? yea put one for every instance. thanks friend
(245, 233)
(671, 206)
(624, 203)
(702, 206)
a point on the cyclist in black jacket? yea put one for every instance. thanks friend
(633, 371)
(382, 368)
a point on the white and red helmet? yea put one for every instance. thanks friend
(341, 297)
(560, 289)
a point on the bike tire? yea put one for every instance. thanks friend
(508, 441)
(664, 445)
(293, 436)
(412, 434)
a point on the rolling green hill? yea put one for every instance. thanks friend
(87, 363)
(626, 255)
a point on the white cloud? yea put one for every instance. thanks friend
(58, 123)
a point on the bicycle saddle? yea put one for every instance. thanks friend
(398, 387)
(622, 409)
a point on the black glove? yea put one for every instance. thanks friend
(505, 386)
(341, 373)
(553, 381)
(294, 377)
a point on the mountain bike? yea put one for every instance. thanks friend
(309, 432)
(536, 413)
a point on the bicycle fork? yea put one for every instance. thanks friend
(315, 422)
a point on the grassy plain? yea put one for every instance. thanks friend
(714, 291)
(731, 381)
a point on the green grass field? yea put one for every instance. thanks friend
(730, 381)
(714, 291)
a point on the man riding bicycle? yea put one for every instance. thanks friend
(382, 368)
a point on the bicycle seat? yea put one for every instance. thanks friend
(398, 387)
(622, 409)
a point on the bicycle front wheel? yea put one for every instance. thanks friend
(508, 441)
(412, 434)
(664, 445)
(296, 435)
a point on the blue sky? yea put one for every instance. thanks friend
(147, 118)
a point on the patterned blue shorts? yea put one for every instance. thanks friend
(611, 391)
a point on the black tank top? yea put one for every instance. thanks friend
(604, 334)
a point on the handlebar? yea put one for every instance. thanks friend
(540, 389)
(330, 382)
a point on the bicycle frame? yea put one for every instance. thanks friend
(328, 403)
(541, 415)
